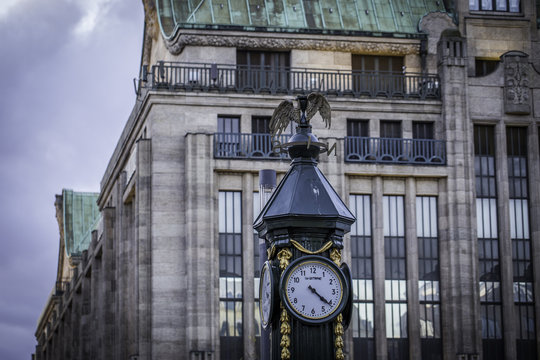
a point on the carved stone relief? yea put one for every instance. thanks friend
(517, 73)
(176, 45)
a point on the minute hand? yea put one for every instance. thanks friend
(320, 297)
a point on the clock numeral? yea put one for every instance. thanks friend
(303, 272)
(331, 281)
(323, 309)
(323, 273)
(303, 307)
(333, 291)
(313, 270)
(296, 279)
(292, 289)
(330, 302)
(313, 311)
(295, 300)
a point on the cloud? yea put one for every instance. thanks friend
(7, 6)
(93, 11)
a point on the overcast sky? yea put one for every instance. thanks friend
(66, 91)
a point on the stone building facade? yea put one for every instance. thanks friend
(435, 122)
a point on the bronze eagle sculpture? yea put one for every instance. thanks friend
(286, 112)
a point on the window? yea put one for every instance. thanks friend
(262, 70)
(485, 67)
(488, 242)
(358, 128)
(429, 277)
(230, 274)
(357, 145)
(422, 130)
(228, 136)
(390, 149)
(516, 144)
(495, 5)
(260, 124)
(390, 129)
(362, 322)
(377, 75)
(395, 284)
(366, 63)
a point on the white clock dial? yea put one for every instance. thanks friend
(314, 289)
(266, 295)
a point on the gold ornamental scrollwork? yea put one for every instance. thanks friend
(302, 249)
(284, 256)
(335, 255)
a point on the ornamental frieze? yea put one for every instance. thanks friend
(177, 44)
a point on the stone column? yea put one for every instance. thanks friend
(413, 303)
(378, 269)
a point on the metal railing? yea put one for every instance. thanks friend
(264, 79)
(248, 146)
(392, 150)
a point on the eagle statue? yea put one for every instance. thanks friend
(286, 112)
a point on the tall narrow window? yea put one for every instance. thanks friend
(228, 136)
(362, 322)
(395, 284)
(428, 276)
(521, 243)
(488, 242)
(230, 274)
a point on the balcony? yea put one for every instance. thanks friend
(396, 151)
(174, 76)
(247, 146)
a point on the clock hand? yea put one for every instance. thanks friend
(316, 293)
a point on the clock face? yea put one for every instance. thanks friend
(266, 295)
(313, 288)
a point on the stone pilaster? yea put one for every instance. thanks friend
(534, 208)
(378, 269)
(143, 248)
(458, 245)
(109, 281)
(505, 242)
(413, 307)
(201, 248)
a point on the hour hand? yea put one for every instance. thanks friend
(319, 295)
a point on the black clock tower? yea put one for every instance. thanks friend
(307, 295)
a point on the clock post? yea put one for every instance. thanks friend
(305, 288)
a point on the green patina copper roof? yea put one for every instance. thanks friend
(376, 16)
(81, 216)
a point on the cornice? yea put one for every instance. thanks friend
(371, 45)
